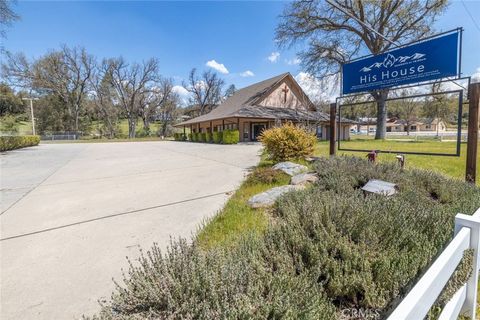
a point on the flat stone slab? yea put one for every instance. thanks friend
(304, 178)
(268, 198)
(380, 187)
(290, 168)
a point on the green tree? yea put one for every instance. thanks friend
(334, 36)
(10, 102)
(439, 106)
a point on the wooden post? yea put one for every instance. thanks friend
(333, 128)
(472, 142)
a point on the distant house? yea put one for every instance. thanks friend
(264, 105)
(416, 125)
(433, 125)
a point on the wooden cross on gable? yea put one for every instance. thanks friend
(285, 91)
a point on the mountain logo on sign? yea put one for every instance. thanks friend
(391, 61)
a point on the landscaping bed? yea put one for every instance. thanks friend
(314, 254)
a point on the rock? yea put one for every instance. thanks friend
(290, 168)
(268, 198)
(312, 159)
(380, 187)
(304, 178)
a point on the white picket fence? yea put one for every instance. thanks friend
(420, 299)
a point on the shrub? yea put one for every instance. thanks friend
(230, 136)
(195, 136)
(202, 137)
(329, 247)
(9, 124)
(142, 132)
(180, 136)
(190, 137)
(287, 142)
(208, 137)
(217, 136)
(265, 175)
(17, 142)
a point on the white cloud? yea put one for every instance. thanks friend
(476, 76)
(183, 93)
(247, 73)
(273, 57)
(220, 67)
(325, 90)
(293, 61)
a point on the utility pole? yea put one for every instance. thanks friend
(31, 112)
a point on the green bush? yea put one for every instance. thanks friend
(9, 124)
(178, 136)
(17, 142)
(287, 142)
(195, 136)
(208, 137)
(217, 137)
(202, 137)
(190, 137)
(328, 248)
(230, 136)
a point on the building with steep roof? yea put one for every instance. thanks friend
(263, 105)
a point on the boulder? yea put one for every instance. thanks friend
(268, 198)
(304, 178)
(290, 168)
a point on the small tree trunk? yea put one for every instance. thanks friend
(164, 128)
(381, 114)
(146, 124)
(132, 123)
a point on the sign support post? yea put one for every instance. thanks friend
(333, 128)
(472, 142)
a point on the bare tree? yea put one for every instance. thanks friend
(65, 73)
(333, 37)
(103, 97)
(438, 107)
(131, 82)
(407, 109)
(206, 89)
(230, 91)
(7, 17)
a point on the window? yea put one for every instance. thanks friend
(245, 130)
(230, 126)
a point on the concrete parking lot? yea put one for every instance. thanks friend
(71, 213)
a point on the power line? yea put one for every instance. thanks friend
(471, 17)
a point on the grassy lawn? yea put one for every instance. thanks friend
(237, 218)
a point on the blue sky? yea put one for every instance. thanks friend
(183, 35)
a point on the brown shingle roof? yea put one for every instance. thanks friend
(243, 98)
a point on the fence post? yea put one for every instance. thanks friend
(472, 222)
(472, 141)
(333, 128)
